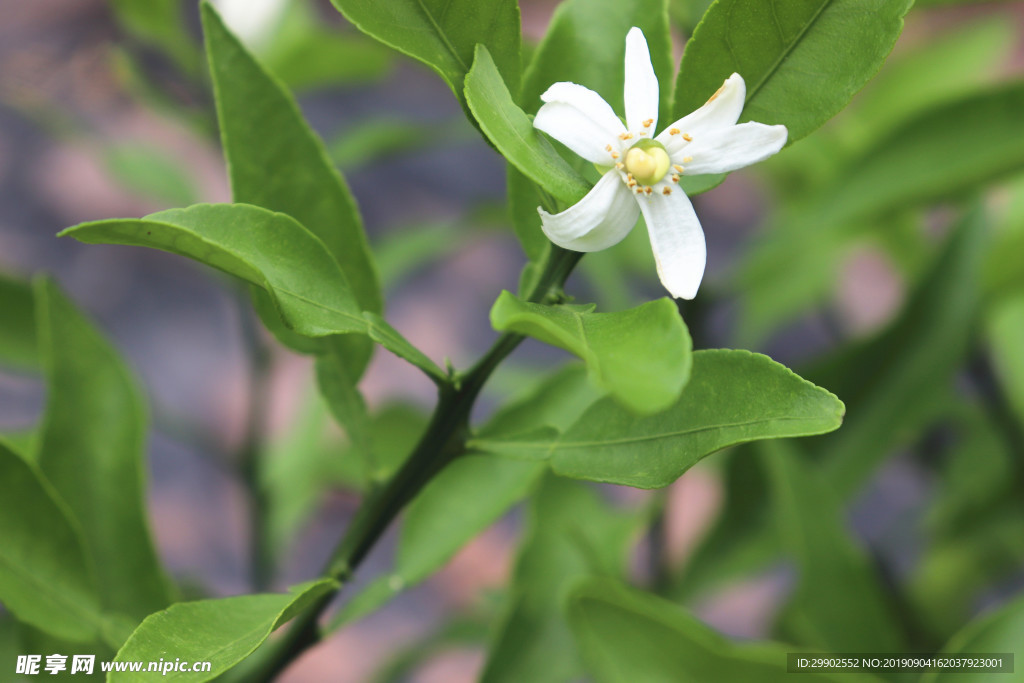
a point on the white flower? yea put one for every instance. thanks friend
(643, 172)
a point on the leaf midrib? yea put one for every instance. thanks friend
(443, 36)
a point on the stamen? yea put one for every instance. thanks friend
(625, 136)
(675, 178)
(677, 167)
(686, 160)
(673, 131)
(648, 190)
(648, 122)
(639, 190)
(687, 137)
(607, 148)
(666, 190)
(715, 96)
(631, 183)
(619, 165)
(615, 155)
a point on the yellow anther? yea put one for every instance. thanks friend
(677, 167)
(687, 137)
(673, 131)
(607, 148)
(625, 136)
(619, 165)
(615, 155)
(631, 183)
(675, 178)
(715, 96)
(666, 190)
(687, 160)
(648, 190)
(639, 190)
(648, 122)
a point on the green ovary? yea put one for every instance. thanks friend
(648, 161)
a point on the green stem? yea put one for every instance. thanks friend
(443, 441)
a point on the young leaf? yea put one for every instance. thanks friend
(626, 635)
(277, 162)
(91, 448)
(223, 631)
(45, 578)
(443, 33)
(855, 619)
(586, 44)
(802, 60)
(571, 533)
(467, 496)
(641, 356)
(269, 250)
(732, 397)
(17, 326)
(388, 337)
(512, 132)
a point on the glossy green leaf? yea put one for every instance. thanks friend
(854, 619)
(732, 397)
(45, 577)
(512, 132)
(467, 496)
(571, 533)
(1000, 631)
(641, 356)
(802, 60)
(586, 44)
(17, 326)
(223, 631)
(626, 635)
(892, 381)
(92, 450)
(269, 250)
(443, 33)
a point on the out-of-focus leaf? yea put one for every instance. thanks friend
(270, 250)
(1005, 326)
(802, 60)
(223, 631)
(443, 33)
(571, 533)
(151, 173)
(642, 356)
(400, 254)
(626, 635)
(346, 404)
(523, 200)
(160, 23)
(379, 138)
(1000, 631)
(891, 382)
(512, 132)
(18, 348)
(467, 496)
(45, 577)
(91, 449)
(856, 618)
(732, 397)
(586, 44)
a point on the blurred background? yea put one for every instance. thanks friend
(105, 111)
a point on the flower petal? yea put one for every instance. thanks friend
(601, 219)
(721, 111)
(731, 148)
(581, 120)
(677, 241)
(641, 85)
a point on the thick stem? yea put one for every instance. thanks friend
(442, 442)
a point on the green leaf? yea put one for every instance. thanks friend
(346, 404)
(263, 132)
(512, 132)
(269, 250)
(586, 44)
(802, 60)
(571, 533)
(626, 635)
(388, 337)
(443, 33)
(912, 165)
(45, 578)
(17, 326)
(223, 631)
(160, 23)
(641, 356)
(152, 173)
(1006, 339)
(999, 631)
(467, 496)
(92, 449)
(732, 397)
(854, 619)
(523, 199)
(892, 381)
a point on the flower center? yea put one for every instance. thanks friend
(648, 161)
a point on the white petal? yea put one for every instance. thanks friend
(601, 219)
(581, 120)
(677, 241)
(721, 111)
(731, 148)
(641, 85)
